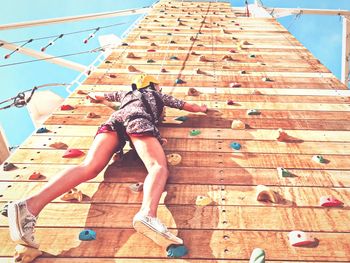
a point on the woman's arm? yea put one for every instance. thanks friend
(192, 107)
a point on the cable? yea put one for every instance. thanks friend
(20, 101)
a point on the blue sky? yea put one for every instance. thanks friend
(320, 34)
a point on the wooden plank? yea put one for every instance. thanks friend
(205, 145)
(189, 217)
(200, 121)
(119, 193)
(203, 175)
(238, 245)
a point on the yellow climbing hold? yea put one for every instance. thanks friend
(73, 194)
(174, 159)
(203, 200)
(237, 125)
(264, 193)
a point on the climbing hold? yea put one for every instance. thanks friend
(245, 42)
(193, 92)
(150, 61)
(4, 210)
(235, 145)
(266, 79)
(235, 85)
(70, 153)
(143, 37)
(181, 118)
(195, 132)
(230, 102)
(26, 254)
(153, 44)
(176, 29)
(179, 81)
(225, 67)
(132, 69)
(87, 235)
(81, 92)
(227, 58)
(130, 55)
(163, 70)
(8, 166)
(225, 31)
(176, 251)
(92, 115)
(59, 145)
(232, 51)
(256, 92)
(283, 172)
(237, 125)
(172, 42)
(252, 56)
(35, 176)
(203, 200)
(73, 194)
(169, 34)
(151, 50)
(243, 72)
(194, 53)
(318, 159)
(299, 238)
(330, 201)
(138, 187)
(125, 44)
(203, 58)
(266, 194)
(174, 158)
(253, 112)
(174, 58)
(282, 136)
(67, 107)
(257, 256)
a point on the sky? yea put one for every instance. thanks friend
(322, 35)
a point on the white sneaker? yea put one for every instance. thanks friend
(154, 229)
(21, 223)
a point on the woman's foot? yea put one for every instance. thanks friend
(21, 223)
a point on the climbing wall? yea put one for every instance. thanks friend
(238, 64)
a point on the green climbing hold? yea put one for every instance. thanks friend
(181, 118)
(150, 61)
(319, 159)
(162, 25)
(284, 172)
(176, 251)
(4, 210)
(195, 132)
(252, 56)
(258, 256)
(169, 34)
(174, 58)
(253, 112)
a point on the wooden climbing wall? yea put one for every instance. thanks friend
(302, 97)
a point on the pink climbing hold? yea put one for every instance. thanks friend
(235, 85)
(230, 102)
(232, 51)
(300, 238)
(330, 201)
(71, 153)
(67, 107)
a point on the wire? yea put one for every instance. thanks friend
(295, 18)
(66, 34)
(20, 101)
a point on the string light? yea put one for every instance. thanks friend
(51, 43)
(17, 49)
(91, 36)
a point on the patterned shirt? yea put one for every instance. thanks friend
(136, 108)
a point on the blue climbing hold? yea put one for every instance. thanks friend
(42, 130)
(87, 235)
(174, 251)
(235, 145)
(179, 81)
(181, 118)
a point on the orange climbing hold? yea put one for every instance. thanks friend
(35, 176)
(264, 193)
(73, 194)
(193, 92)
(130, 55)
(282, 136)
(59, 145)
(132, 69)
(71, 153)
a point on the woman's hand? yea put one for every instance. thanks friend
(94, 97)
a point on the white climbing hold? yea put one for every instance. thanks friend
(237, 125)
(203, 200)
(174, 159)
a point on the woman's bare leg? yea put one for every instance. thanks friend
(152, 155)
(97, 158)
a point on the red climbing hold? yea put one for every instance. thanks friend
(232, 51)
(163, 70)
(300, 238)
(230, 102)
(71, 153)
(67, 107)
(330, 201)
(151, 50)
(176, 29)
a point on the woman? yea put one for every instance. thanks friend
(136, 120)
